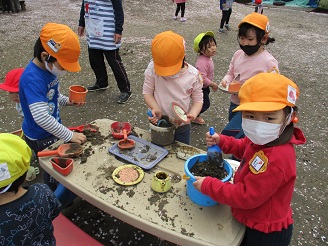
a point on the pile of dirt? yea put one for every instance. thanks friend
(206, 168)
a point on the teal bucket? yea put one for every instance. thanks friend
(193, 194)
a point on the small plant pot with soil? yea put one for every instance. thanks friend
(62, 165)
(198, 165)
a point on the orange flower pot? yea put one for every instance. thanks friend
(77, 94)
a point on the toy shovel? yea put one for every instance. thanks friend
(161, 123)
(214, 153)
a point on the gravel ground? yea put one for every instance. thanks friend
(300, 48)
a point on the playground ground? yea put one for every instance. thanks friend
(300, 47)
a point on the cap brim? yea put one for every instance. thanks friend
(8, 88)
(260, 106)
(167, 71)
(70, 67)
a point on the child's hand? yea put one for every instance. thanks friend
(78, 137)
(190, 117)
(198, 183)
(214, 86)
(212, 139)
(223, 83)
(157, 114)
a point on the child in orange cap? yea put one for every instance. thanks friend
(11, 85)
(56, 51)
(252, 58)
(169, 79)
(26, 213)
(264, 183)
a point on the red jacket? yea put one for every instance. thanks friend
(263, 186)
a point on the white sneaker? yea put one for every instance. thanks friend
(175, 17)
(227, 27)
(221, 30)
(183, 19)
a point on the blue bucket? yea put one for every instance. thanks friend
(193, 194)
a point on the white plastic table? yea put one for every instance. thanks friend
(171, 216)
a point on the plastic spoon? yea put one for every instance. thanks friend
(214, 153)
(81, 128)
(64, 150)
(126, 143)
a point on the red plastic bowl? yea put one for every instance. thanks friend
(117, 129)
(62, 165)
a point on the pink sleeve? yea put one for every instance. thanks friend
(202, 67)
(197, 93)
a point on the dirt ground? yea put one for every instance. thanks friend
(301, 49)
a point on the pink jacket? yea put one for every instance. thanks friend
(248, 66)
(205, 66)
(184, 88)
(261, 195)
(179, 1)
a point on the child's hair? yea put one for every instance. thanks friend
(16, 184)
(205, 41)
(38, 49)
(245, 27)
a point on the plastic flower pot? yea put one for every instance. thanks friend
(193, 194)
(62, 165)
(118, 127)
(77, 94)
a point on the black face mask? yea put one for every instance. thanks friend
(250, 49)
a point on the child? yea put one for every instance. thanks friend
(11, 85)
(264, 183)
(181, 5)
(251, 59)
(26, 213)
(258, 6)
(56, 51)
(226, 8)
(205, 47)
(168, 78)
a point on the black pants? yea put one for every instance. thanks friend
(181, 6)
(225, 17)
(255, 237)
(97, 62)
(206, 99)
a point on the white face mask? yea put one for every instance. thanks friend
(260, 132)
(55, 71)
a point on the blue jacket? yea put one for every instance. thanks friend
(228, 4)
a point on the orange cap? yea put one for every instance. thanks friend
(168, 51)
(12, 80)
(258, 20)
(63, 44)
(267, 92)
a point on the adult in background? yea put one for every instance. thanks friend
(103, 21)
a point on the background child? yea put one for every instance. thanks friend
(205, 47)
(56, 51)
(11, 85)
(258, 6)
(264, 183)
(251, 59)
(26, 213)
(226, 8)
(181, 5)
(168, 78)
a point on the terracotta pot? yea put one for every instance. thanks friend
(77, 93)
